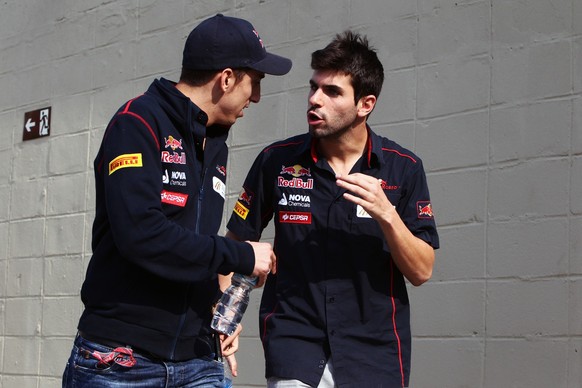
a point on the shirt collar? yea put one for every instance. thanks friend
(372, 151)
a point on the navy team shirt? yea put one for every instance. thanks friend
(337, 292)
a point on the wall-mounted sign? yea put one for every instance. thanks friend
(37, 123)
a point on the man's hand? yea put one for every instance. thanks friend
(413, 256)
(228, 346)
(368, 193)
(265, 261)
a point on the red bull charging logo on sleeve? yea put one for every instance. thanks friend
(424, 209)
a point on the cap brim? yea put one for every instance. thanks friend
(273, 64)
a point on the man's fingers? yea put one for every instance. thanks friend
(273, 263)
(231, 360)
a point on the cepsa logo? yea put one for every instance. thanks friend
(177, 199)
(294, 217)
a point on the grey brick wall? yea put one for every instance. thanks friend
(488, 93)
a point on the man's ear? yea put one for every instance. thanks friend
(227, 79)
(366, 105)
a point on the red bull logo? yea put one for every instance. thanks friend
(295, 183)
(173, 143)
(296, 171)
(176, 158)
(424, 209)
(245, 197)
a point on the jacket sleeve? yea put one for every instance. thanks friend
(131, 172)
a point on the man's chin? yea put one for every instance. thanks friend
(315, 133)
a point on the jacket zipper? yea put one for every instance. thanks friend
(200, 200)
(197, 230)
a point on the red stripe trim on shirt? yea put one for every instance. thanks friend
(141, 119)
(369, 146)
(394, 321)
(282, 145)
(265, 322)
(126, 111)
(146, 125)
(399, 153)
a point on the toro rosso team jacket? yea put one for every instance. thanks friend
(152, 278)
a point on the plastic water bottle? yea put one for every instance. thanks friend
(233, 304)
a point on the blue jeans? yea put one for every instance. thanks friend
(84, 369)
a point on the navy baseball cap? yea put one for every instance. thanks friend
(222, 41)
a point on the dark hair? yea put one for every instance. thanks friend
(201, 77)
(351, 54)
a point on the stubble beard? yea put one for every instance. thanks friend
(327, 133)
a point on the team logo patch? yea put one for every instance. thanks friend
(361, 213)
(424, 209)
(295, 200)
(221, 169)
(386, 186)
(178, 178)
(125, 160)
(240, 210)
(259, 38)
(174, 157)
(294, 217)
(173, 143)
(296, 171)
(296, 183)
(176, 199)
(245, 197)
(219, 186)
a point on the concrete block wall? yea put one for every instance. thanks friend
(487, 92)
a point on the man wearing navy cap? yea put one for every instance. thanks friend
(160, 178)
(353, 220)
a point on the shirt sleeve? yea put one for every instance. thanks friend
(417, 213)
(253, 209)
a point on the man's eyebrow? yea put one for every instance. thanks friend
(330, 87)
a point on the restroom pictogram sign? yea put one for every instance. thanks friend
(37, 123)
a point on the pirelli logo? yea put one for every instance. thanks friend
(125, 160)
(241, 210)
